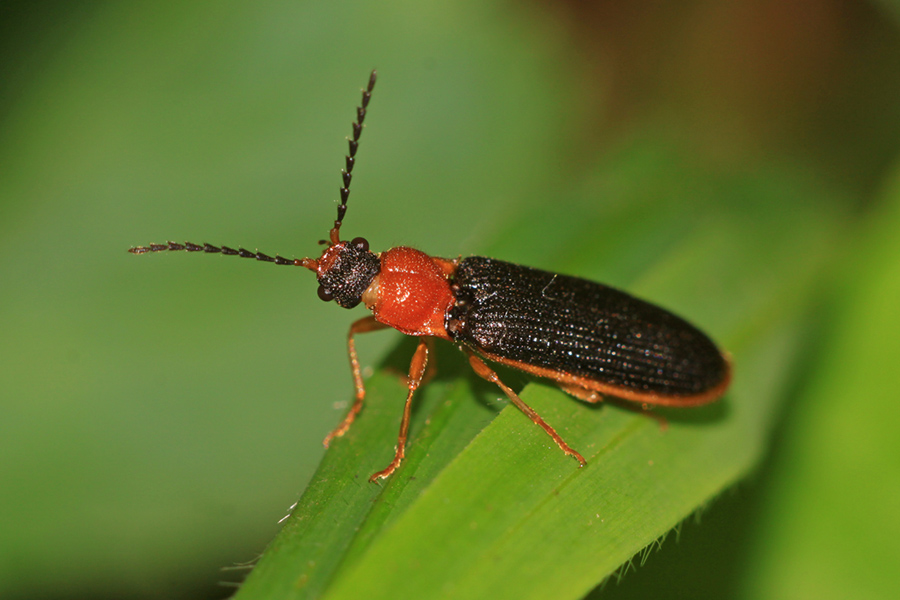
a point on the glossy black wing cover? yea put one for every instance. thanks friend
(582, 328)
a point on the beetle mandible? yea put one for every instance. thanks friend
(591, 339)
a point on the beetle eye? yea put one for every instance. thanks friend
(324, 294)
(360, 243)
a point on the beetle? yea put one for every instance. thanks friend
(591, 339)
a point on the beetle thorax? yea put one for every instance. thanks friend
(411, 293)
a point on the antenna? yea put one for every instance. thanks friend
(210, 249)
(309, 263)
(350, 159)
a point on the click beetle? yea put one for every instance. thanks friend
(591, 339)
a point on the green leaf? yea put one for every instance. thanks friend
(489, 507)
(830, 527)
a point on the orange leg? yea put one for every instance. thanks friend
(416, 372)
(582, 393)
(485, 372)
(595, 397)
(431, 367)
(364, 325)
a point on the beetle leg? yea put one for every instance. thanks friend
(595, 397)
(431, 366)
(485, 372)
(581, 393)
(364, 325)
(417, 369)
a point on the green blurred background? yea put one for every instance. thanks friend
(160, 414)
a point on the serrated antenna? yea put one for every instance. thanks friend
(350, 159)
(309, 263)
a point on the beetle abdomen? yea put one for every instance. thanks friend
(581, 328)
